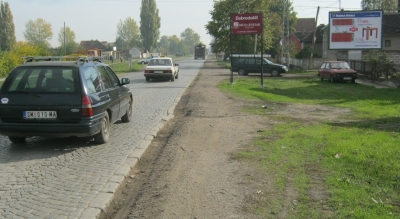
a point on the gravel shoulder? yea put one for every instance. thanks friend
(187, 171)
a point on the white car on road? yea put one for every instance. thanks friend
(161, 68)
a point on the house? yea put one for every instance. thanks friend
(91, 46)
(305, 39)
(303, 35)
(390, 41)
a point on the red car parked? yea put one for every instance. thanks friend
(337, 71)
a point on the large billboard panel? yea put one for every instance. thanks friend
(246, 23)
(355, 30)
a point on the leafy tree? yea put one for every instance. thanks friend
(128, 32)
(150, 24)
(38, 33)
(189, 39)
(174, 44)
(384, 5)
(163, 45)
(69, 46)
(7, 29)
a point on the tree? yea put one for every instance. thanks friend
(7, 29)
(163, 45)
(38, 33)
(128, 32)
(68, 46)
(219, 26)
(386, 6)
(189, 39)
(174, 44)
(150, 24)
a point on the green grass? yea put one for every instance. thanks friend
(122, 68)
(364, 182)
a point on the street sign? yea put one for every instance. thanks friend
(247, 23)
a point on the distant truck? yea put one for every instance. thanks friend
(200, 51)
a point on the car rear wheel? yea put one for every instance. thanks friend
(176, 76)
(16, 140)
(241, 71)
(274, 73)
(104, 134)
(147, 79)
(321, 78)
(172, 78)
(128, 115)
(142, 63)
(332, 79)
(353, 80)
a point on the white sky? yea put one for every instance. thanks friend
(98, 19)
(308, 8)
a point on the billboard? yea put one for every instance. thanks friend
(355, 30)
(246, 23)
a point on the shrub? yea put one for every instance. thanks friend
(379, 64)
(11, 59)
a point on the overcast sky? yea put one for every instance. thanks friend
(98, 19)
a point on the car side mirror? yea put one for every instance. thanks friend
(176, 64)
(125, 81)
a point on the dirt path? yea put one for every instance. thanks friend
(187, 172)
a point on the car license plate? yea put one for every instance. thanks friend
(158, 71)
(347, 78)
(40, 114)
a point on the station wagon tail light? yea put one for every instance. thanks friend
(147, 71)
(169, 71)
(86, 106)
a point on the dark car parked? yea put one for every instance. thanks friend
(337, 71)
(63, 98)
(245, 64)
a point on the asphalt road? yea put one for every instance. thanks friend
(75, 178)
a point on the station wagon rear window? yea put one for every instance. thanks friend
(43, 80)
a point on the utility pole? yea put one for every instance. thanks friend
(288, 34)
(310, 61)
(65, 46)
(286, 31)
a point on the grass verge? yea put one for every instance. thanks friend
(351, 162)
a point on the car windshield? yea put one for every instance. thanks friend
(340, 65)
(158, 62)
(267, 61)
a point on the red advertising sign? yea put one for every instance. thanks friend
(247, 23)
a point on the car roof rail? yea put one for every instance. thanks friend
(78, 59)
(40, 58)
(88, 59)
(250, 55)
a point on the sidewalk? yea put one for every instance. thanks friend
(378, 84)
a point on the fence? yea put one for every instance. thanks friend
(302, 63)
(366, 68)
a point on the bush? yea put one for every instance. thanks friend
(380, 65)
(13, 58)
(305, 54)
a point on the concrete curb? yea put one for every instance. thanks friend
(103, 199)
